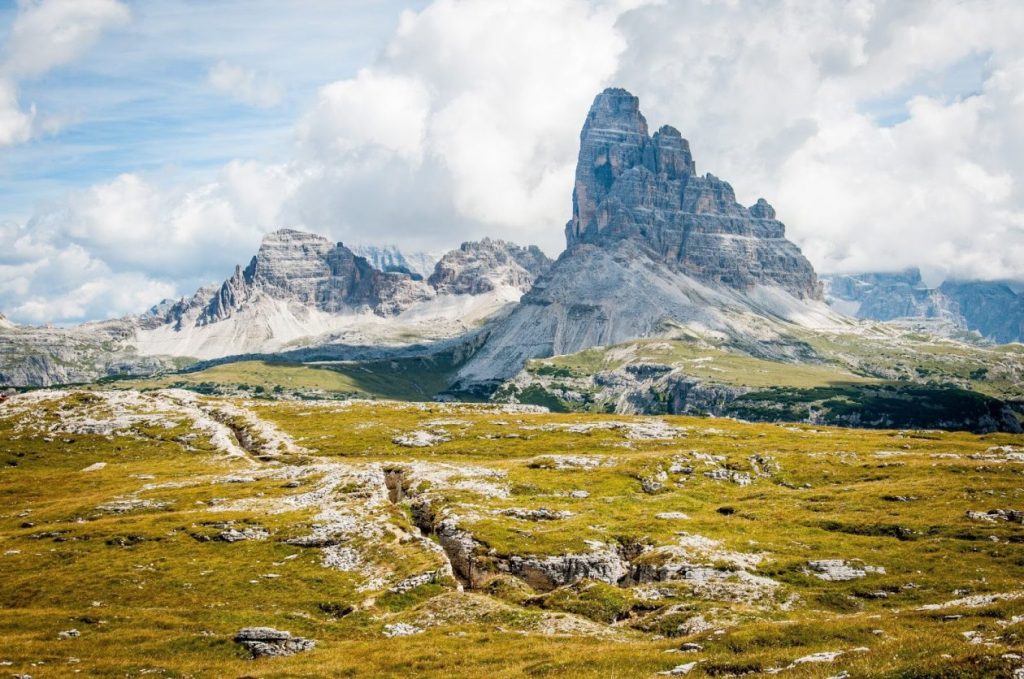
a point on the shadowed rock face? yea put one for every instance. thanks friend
(630, 185)
(991, 308)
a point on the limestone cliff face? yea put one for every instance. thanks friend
(652, 248)
(301, 289)
(311, 271)
(630, 185)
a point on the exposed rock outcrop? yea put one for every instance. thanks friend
(480, 267)
(839, 570)
(603, 565)
(269, 642)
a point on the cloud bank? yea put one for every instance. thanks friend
(47, 34)
(887, 134)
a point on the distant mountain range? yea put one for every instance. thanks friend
(653, 250)
(993, 309)
(299, 290)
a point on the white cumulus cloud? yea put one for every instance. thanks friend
(886, 133)
(481, 102)
(50, 33)
(15, 124)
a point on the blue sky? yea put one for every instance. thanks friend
(140, 99)
(146, 147)
(959, 80)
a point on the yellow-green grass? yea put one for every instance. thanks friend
(701, 360)
(991, 370)
(829, 359)
(417, 379)
(148, 596)
(255, 374)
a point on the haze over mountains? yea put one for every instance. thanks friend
(993, 309)
(391, 258)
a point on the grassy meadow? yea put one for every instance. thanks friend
(115, 504)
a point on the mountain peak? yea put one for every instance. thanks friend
(289, 235)
(645, 189)
(615, 110)
(652, 247)
(485, 265)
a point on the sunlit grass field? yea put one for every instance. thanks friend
(152, 591)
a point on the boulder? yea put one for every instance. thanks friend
(269, 642)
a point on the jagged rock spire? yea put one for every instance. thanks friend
(630, 185)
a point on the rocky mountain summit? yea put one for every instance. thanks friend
(299, 290)
(990, 308)
(652, 248)
(643, 188)
(316, 273)
(480, 267)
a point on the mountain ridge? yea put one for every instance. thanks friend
(654, 251)
(300, 289)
